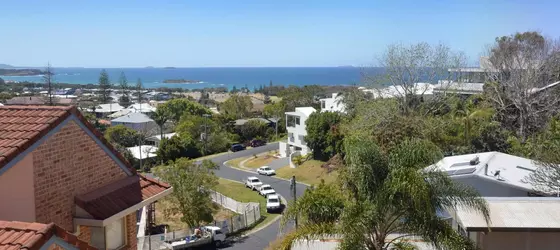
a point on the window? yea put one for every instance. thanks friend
(323, 105)
(115, 234)
(297, 120)
(301, 139)
(290, 121)
(291, 136)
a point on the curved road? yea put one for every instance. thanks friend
(258, 240)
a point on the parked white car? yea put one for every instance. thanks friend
(273, 203)
(266, 189)
(266, 170)
(253, 183)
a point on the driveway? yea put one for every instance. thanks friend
(262, 238)
(278, 163)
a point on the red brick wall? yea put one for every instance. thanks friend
(131, 231)
(85, 234)
(67, 164)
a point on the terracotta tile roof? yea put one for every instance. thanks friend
(21, 126)
(113, 198)
(24, 235)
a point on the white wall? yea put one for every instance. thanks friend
(487, 188)
(298, 132)
(332, 104)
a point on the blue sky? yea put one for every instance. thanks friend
(247, 33)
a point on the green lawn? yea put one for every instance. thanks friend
(310, 172)
(239, 192)
(260, 161)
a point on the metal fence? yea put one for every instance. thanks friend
(247, 215)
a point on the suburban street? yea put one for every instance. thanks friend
(261, 239)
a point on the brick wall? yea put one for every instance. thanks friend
(85, 234)
(131, 233)
(69, 163)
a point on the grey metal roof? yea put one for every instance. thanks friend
(133, 118)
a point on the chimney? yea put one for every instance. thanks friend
(486, 169)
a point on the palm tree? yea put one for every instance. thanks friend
(386, 198)
(160, 117)
(469, 113)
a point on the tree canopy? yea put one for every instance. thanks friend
(237, 106)
(176, 108)
(123, 136)
(385, 193)
(192, 185)
(323, 134)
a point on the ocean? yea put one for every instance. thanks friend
(210, 77)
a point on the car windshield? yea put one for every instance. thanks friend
(266, 168)
(218, 232)
(273, 200)
(267, 188)
(255, 180)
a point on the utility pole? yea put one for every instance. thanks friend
(205, 132)
(294, 195)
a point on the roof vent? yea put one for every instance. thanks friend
(474, 161)
(498, 176)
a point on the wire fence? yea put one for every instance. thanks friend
(247, 215)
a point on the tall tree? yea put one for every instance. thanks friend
(323, 134)
(522, 68)
(469, 113)
(407, 68)
(124, 99)
(139, 89)
(47, 78)
(104, 87)
(192, 186)
(237, 106)
(160, 117)
(387, 193)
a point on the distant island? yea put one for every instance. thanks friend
(180, 81)
(169, 68)
(6, 66)
(21, 72)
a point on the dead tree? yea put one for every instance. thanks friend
(410, 71)
(523, 79)
(47, 78)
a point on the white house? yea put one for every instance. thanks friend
(137, 121)
(295, 125)
(333, 104)
(493, 174)
(515, 223)
(143, 152)
(156, 139)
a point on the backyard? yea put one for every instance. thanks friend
(174, 220)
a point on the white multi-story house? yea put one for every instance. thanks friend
(333, 104)
(295, 125)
